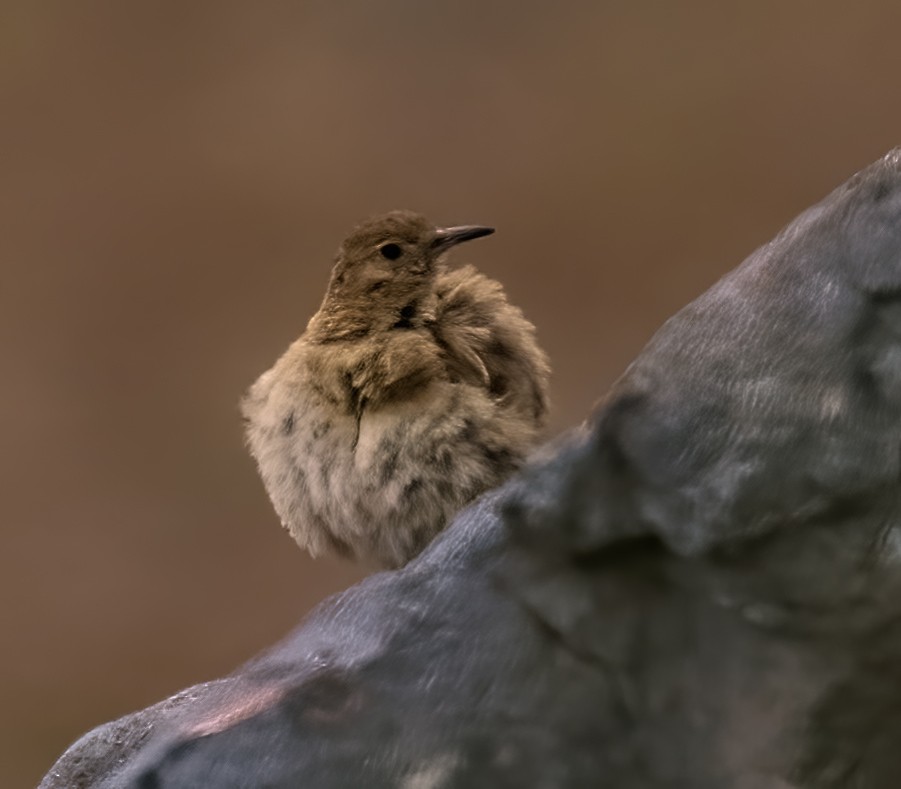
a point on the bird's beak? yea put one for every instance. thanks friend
(446, 237)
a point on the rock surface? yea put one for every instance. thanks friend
(698, 589)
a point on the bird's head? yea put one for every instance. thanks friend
(386, 268)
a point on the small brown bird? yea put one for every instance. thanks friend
(413, 389)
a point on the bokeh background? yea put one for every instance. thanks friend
(174, 179)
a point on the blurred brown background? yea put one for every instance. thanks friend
(174, 179)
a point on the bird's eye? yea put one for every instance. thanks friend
(390, 251)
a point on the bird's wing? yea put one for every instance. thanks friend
(488, 342)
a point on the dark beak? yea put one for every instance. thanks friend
(447, 237)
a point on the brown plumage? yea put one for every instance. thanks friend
(413, 389)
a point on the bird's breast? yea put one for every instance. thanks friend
(387, 430)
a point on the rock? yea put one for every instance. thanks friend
(698, 589)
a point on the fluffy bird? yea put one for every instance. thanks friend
(413, 389)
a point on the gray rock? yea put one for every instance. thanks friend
(699, 589)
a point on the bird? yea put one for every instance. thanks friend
(414, 388)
